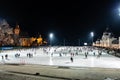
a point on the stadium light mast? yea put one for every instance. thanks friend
(51, 38)
(92, 36)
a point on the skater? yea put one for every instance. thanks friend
(86, 55)
(99, 54)
(71, 59)
(18, 55)
(6, 56)
(2, 57)
(27, 54)
(94, 53)
(51, 54)
(60, 54)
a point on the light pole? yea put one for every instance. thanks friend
(64, 42)
(92, 35)
(51, 49)
(119, 11)
(51, 37)
(79, 42)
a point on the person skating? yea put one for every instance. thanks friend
(86, 55)
(71, 59)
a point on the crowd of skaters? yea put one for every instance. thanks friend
(61, 51)
(5, 57)
(17, 53)
(75, 51)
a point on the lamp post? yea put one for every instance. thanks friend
(51, 49)
(51, 37)
(79, 42)
(119, 11)
(64, 42)
(92, 35)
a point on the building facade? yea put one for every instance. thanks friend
(107, 40)
(12, 36)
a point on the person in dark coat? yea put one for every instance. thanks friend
(71, 59)
(6, 56)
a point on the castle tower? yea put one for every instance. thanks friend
(16, 36)
(17, 30)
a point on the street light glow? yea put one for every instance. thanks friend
(51, 35)
(119, 11)
(92, 34)
(85, 44)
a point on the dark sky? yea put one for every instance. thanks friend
(67, 20)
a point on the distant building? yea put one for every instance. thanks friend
(107, 40)
(12, 36)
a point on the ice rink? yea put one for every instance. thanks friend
(60, 56)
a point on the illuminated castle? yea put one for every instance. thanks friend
(11, 36)
(108, 40)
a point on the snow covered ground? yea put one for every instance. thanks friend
(61, 56)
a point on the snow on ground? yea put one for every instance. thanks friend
(51, 56)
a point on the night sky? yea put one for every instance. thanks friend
(70, 21)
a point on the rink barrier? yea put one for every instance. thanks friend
(15, 64)
(41, 75)
(64, 67)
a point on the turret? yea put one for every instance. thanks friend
(17, 30)
(16, 36)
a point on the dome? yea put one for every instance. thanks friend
(115, 42)
(107, 33)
